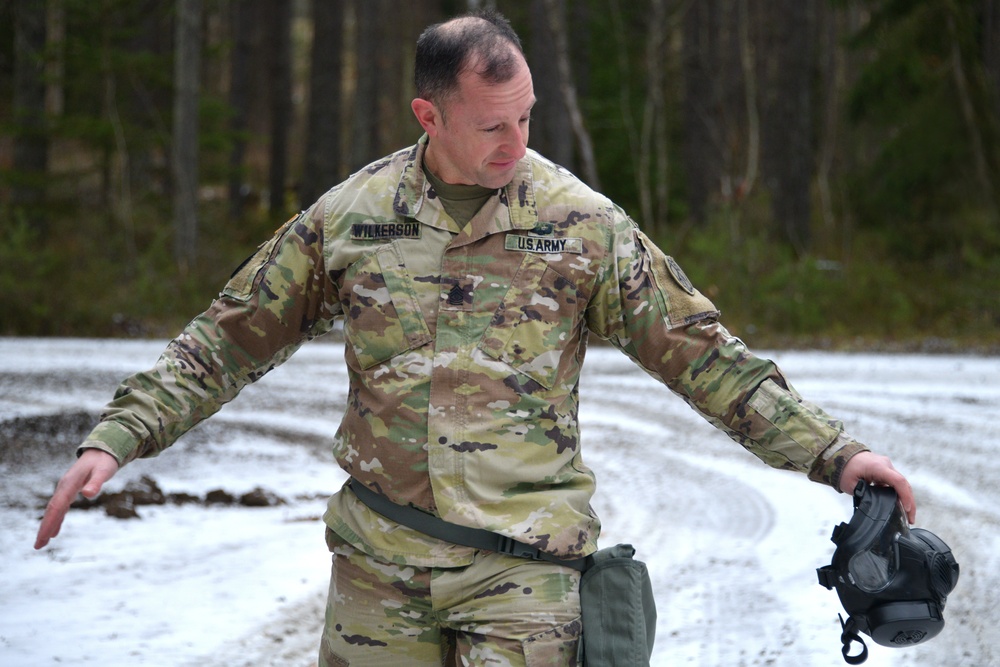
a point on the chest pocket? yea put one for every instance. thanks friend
(535, 323)
(382, 315)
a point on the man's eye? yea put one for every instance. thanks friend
(492, 129)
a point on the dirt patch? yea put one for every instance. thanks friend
(125, 504)
(30, 440)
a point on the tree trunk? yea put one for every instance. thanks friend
(239, 99)
(787, 27)
(557, 24)
(140, 98)
(968, 110)
(701, 149)
(31, 143)
(55, 67)
(395, 73)
(653, 163)
(280, 36)
(991, 48)
(751, 102)
(831, 70)
(364, 131)
(323, 146)
(991, 65)
(551, 132)
(187, 65)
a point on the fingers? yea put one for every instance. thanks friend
(56, 509)
(883, 472)
(87, 475)
(876, 469)
(906, 497)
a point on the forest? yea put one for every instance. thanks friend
(827, 171)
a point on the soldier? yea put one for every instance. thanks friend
(469, 272)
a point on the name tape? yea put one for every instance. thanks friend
(543, 244)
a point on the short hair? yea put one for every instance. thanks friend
(444, 50)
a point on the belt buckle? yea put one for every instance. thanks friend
(512, 547)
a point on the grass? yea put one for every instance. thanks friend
(87, 275)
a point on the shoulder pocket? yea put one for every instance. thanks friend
(241, 283)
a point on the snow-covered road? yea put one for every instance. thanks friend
(732, 545)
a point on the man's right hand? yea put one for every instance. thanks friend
(86, 476)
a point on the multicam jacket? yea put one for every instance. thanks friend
(464, 348)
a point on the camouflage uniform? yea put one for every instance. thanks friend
(499, 611)
(464, 348)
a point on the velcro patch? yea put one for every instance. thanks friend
(371, 231)
(543, 244)
(679, 276)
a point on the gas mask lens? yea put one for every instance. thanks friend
(873, 568)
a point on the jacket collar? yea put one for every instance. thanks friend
(514, 208)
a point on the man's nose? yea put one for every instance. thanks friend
(516, 141)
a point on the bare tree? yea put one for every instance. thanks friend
(280, 47)
(31, 146)
(991, 47)
(786, 49)
(705, 100)
(831, 66)
(653, 169)
(395, 77)
(991, 62)
(969, 116)
(551, 133)
(323, 145)
(567, 88)
(187, 81)
(55, 66)
(751, 101)
(364, 130)
(242, 18)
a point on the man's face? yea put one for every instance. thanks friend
(483, 131)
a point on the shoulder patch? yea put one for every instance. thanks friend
(677, 273)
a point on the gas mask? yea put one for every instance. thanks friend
(892, 580)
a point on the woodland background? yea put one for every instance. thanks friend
(828, 171)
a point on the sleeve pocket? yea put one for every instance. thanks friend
(241, 283)
(679, 301)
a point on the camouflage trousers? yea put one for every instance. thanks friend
(500, 611)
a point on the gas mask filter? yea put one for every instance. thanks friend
(892, 580)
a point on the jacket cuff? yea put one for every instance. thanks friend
(830, 464)
(114, 439)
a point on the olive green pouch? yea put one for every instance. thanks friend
(619, 612)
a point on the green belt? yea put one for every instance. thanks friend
(476, 538)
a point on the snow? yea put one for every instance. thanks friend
(732, 546)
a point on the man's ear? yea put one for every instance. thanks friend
(427, 115)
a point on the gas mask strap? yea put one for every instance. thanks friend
(849, 635)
